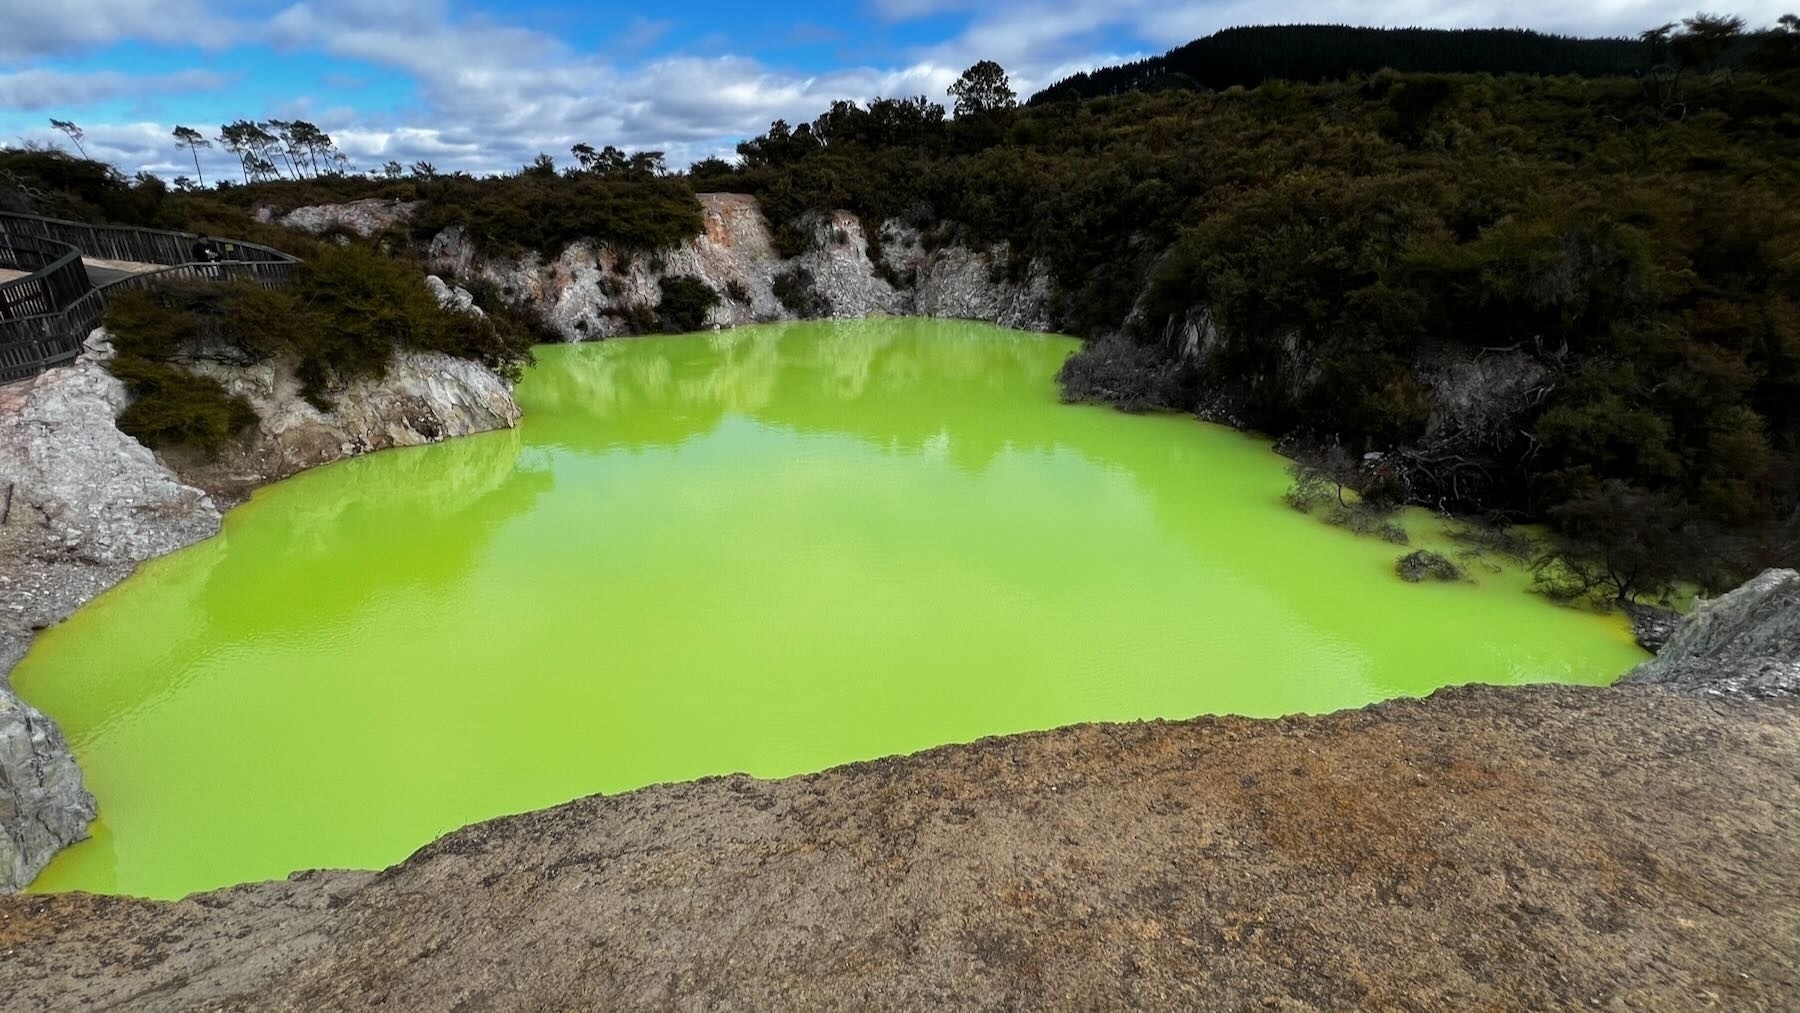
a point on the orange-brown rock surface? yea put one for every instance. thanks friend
(1485, 849)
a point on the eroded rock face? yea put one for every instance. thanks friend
(1746, 643)
(97, 494)
(425, 397)
(451, 297)
(592, 289)
(363, 217)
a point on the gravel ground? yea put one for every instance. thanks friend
(1485, 849)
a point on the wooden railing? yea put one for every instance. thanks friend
(46, 316)
(119, 242)
(57, 276)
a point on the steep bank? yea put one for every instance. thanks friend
(86, 504)
(1540, 848)
(1473, 399)
(593, 289)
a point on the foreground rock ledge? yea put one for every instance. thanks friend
(1544, 848)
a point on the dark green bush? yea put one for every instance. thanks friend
(346, 313)
(172, 407)
(158, 323)
(685, 302)
(796, 289)
(1424, 564)
(1129, 376)
(529, 213)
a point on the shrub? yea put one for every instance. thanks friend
(1495, 539)
(524, 213)
(1362, 519)
(637, 318)
(1121, 373)
(1424, 564)
(685, 302)
(346, 313)
(157, 323)
(172, 407)
(1618, 543)
(796, 290)
(738, 293)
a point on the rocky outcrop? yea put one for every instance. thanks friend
(86, 503)
(95, 493)
(83, 504)
(362, 217)
(594, 290)
(1531, 848)
(1746, 643)
(43, 806)
(451, 297)
(424, 397)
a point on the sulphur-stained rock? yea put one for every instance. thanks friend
(843, 273)
(43, 806)
(82, 503)
(1746, 643)
(963, 284)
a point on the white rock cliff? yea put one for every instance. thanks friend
(590, 289)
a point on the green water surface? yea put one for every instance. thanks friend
(770, 550)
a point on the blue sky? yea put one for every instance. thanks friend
(483, 85)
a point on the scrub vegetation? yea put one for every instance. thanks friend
(352, 304)
(1422, 565)
(347, 312)
(1618, 213)
(684, 304)
(1246, 57)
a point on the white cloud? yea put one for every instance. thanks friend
(641, 31)
(491, 95)
(36, 30)
(34, 90)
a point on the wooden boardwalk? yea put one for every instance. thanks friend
(54, 276)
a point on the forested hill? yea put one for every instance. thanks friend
(1312, 53)
(1632, 242)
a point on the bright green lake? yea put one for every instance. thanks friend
(770, 550)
